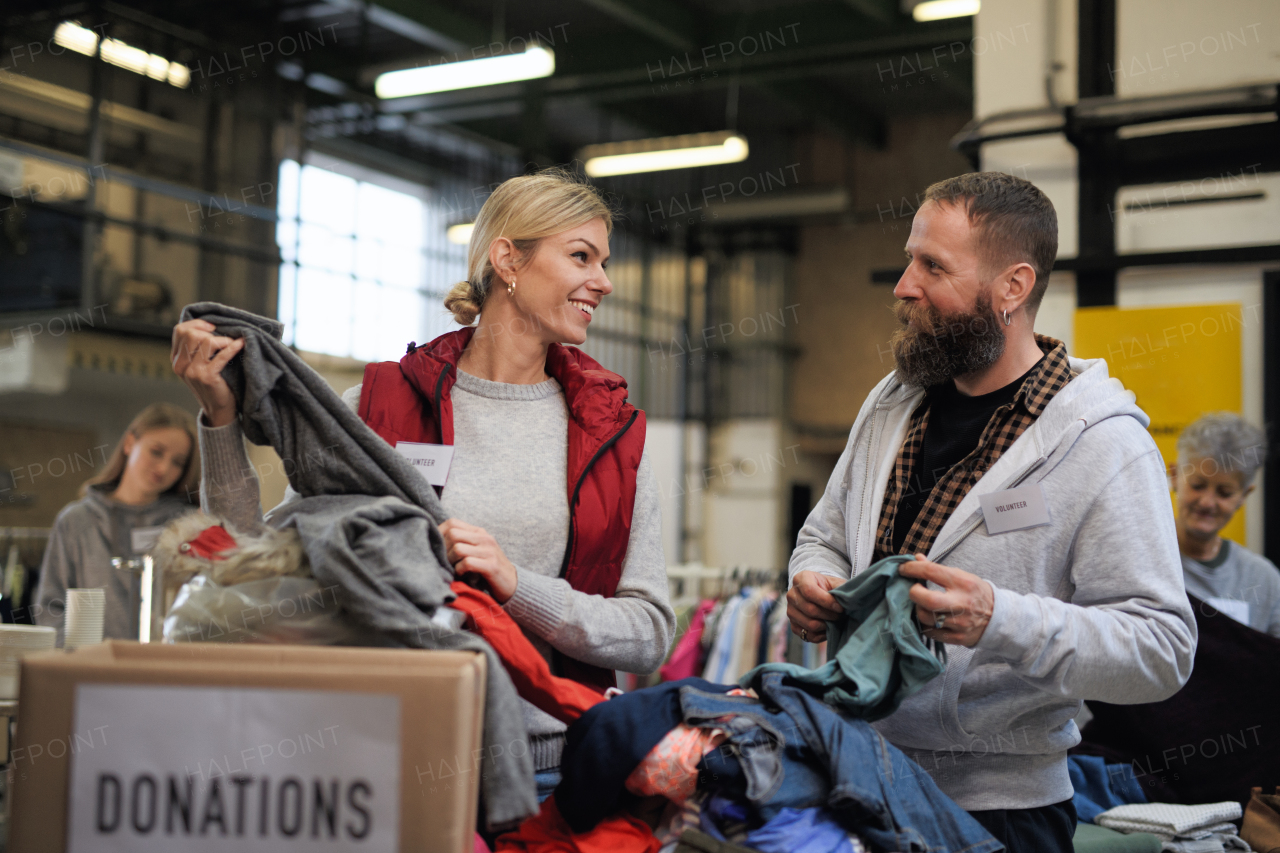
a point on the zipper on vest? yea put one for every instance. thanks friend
(439, 420)
(440, 391)
(568, 548)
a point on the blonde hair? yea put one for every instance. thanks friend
(524, 210)
(155, 416)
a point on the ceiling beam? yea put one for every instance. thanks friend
(638, 83)
(877, 10)
(427, 24)
(832, 109)
(666, 23)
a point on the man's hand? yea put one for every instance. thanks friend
(474, 552)
(810, 606)
(965, 601)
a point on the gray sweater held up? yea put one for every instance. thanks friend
(508, 476)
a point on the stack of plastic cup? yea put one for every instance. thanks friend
(86, 609)
(17, 641)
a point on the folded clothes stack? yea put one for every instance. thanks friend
(1205, 828)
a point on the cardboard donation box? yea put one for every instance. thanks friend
(207, 747)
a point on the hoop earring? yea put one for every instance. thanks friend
(511, 287)
(1007, 318)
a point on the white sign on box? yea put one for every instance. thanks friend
(431, 460)
(1014, 509)
(227, 768)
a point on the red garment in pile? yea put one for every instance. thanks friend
(548, 833)
(562, 698)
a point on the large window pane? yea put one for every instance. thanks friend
(324, 310)
(328, 199)
(365, 266)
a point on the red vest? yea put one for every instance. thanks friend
(410, 401)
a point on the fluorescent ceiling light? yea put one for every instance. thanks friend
(448, 76)
(75, 37)
(936, 10)
(668, 152)
(460, 233)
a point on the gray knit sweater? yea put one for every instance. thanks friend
(1244, 584)
(509, 476)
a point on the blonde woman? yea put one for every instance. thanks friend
(150, 478)
(552, 500)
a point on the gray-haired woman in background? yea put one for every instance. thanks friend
(1218, 458)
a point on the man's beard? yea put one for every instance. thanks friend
(941, 346)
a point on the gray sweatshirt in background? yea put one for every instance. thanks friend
(1242, 584)
(508, 475)
(87, 534)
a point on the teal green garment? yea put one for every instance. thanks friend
(876, 655)
(1099, 839)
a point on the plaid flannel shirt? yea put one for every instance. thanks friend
(1001, 432)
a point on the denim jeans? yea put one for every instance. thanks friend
(872, 786)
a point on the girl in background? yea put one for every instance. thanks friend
(151, 477)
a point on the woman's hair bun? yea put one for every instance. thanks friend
(461, 302)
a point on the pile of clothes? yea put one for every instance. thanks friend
(787, 762)
(769, 769)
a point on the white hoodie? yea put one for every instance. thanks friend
(1090, 606)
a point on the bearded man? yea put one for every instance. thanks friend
(1035, 503)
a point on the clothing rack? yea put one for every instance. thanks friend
(25, 532)
(692, 582)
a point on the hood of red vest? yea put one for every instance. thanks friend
(596, 397)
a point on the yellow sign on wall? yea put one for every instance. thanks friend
(1181, 361)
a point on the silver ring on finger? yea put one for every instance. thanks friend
(804, 634)
(940, 622)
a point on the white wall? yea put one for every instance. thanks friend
(1057, 315)
(1014, 44)
(744, 492)
(662, 441)
(1192, 214)
(1165, 46)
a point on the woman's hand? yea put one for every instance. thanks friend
(198, 357)
(474, 552)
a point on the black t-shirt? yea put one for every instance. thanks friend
(956, 422)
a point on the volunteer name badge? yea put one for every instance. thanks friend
(431, 460)
(234, 769)
(143, 539)
(1014, 509)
